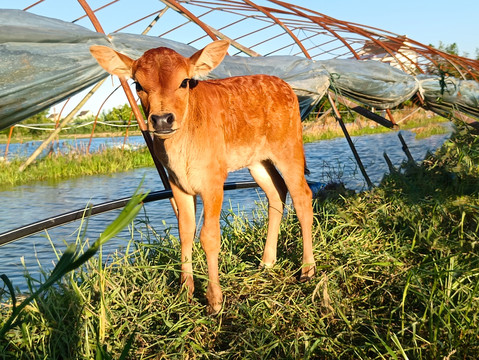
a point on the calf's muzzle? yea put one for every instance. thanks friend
(163, 124)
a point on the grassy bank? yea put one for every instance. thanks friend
(59, 167)
(397, 279)
(421, 123)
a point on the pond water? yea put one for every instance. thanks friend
(330, 160)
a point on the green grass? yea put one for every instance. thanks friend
(75, 164)
(398, 271)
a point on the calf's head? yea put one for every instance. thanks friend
(164, 80)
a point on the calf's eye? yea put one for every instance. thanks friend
(191, 82)
(138, 86)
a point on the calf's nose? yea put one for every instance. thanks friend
(162, 123)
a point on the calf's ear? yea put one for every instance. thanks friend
(205, 60)
(112, 61)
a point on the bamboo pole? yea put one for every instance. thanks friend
(154, 21)
(62, 124)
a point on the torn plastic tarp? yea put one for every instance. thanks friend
(444, 94)
(371, 82)
(45, 61)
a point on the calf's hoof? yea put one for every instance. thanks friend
(215, 300)
(188, 284)
(214, 309)
(307, 273)
(262, 265)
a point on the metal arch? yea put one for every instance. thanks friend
(340, 38)
(299, 17)
(422, 52)
(339, 23)
(185, 12)
(91, 15)
(456, 61)
(97, 9)
(36, 3)
(280, 23)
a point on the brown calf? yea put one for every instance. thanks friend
(204, 129)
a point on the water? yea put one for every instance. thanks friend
(327, 160)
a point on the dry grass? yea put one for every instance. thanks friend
(422, 122)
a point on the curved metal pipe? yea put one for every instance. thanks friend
(57, 220)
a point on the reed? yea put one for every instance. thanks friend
(397, 279)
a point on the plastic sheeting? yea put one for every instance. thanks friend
(371, 82)
(45, 60)
(442, 95)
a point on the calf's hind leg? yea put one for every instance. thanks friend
(301, 195)
(268, 178)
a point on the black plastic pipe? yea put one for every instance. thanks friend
(61, 219)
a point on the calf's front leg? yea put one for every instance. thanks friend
(186, 228)
(210, 241)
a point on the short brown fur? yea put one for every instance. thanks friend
(204, 129)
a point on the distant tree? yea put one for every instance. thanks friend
(38, 118)
(118, 114)
(452, 49)
(444, 67)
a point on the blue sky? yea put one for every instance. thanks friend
(427, 21)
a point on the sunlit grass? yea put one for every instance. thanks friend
(74, 164)
(397, 278)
